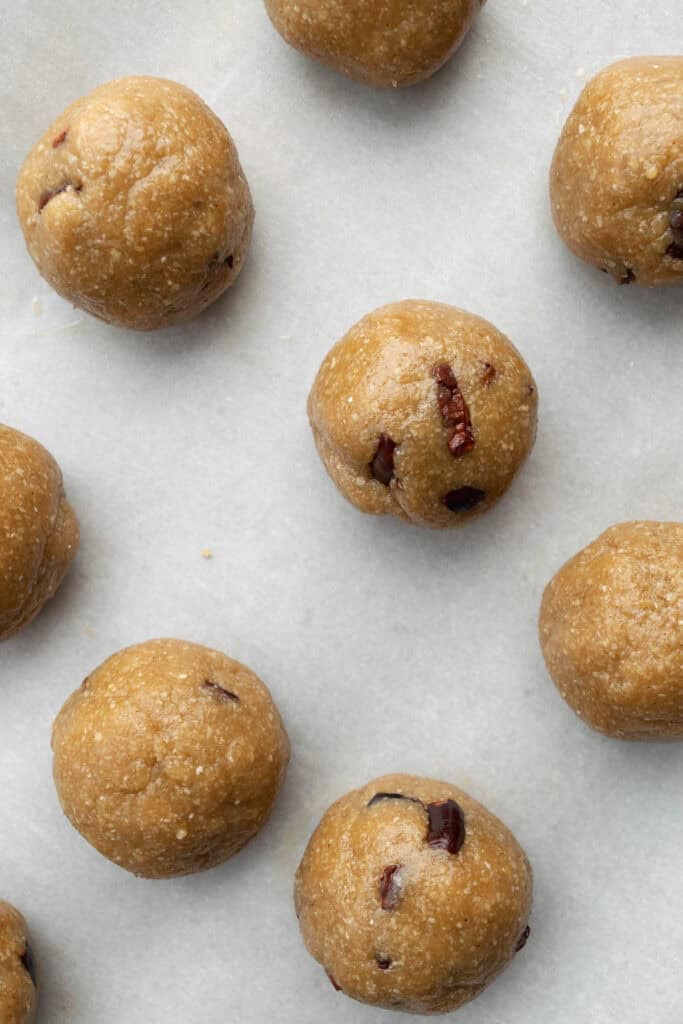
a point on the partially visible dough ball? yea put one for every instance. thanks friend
(134, 205)
(611, 630)
(38, 529)
(616, 181)
(169, 758)
(412, 895)
(425, 412)
(18, 983)
(381, 42)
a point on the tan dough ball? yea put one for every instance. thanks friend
(38, 530)
(616, 182)
(18, 984)
(169, 758)
(381, 42)
(611, 631)
(425, 412)
(134, 206)
(412, 895)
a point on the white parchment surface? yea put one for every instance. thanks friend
(387, 648)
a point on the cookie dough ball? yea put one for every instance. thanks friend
(134, 206)
(425, 412)
(18, 985)
(169, 758)
(412, 895)
(616, 182)
(381, 42)
(611, 630)
(38, 529)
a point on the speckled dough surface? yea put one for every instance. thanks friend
(412, 895)
(381, 42)
(425, 412)
(134, 205)
(38, 529)
(616, 181)
(18, 991)
(611, 630)
(169, 758)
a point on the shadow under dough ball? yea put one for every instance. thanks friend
(616, 182)
(18, 982)
(611, 629)
(425, 412)
(412, 895)
(38, 530)
(380, 42)
(169, 758)
(134, 205)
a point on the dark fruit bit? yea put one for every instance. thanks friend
(383, 963)
(50, 193)
(29, 963)
(85, 684)
(628, 277)
(60, 139)
(379, 797)
(335, 986)
(454, 411)
(229, 260)
(464, 499)
(382, 465)
(220, 692)
(675, 251)
(489, 374)
(389, 890)
(446, 826)
(523, 939)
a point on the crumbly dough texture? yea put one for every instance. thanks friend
(381, 42)
(611, 629)
(169, 758)
(134, 205)
(616, 181)
(38, 529)
(399, 923)
(18, 991)
(378, 383)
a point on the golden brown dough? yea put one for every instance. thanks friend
(18, 986)
(169, 758)
(412, 895)
(38, 529)
(611, 630)
(134, 205)
(425, 412)
(381, 42)
(616, 181)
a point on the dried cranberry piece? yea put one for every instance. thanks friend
(335, 986)
(489, 374)
(523, 939)
(29, 963)
(50, 193)
(389, 889)
(675, 251)
(464, 499)
(229, 260)
(220, 692)
(628, 277)
(382, 465)
(446, 826)
(378, 797)
(383, 963)
(60, 139)
(454, 411)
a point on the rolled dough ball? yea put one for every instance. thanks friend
(38, 529)
(425, 412)
(381, 42)
(611, 630)
(18, 984)
(169, 758)
(134, 206)
(616, 182)
(412, 895)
